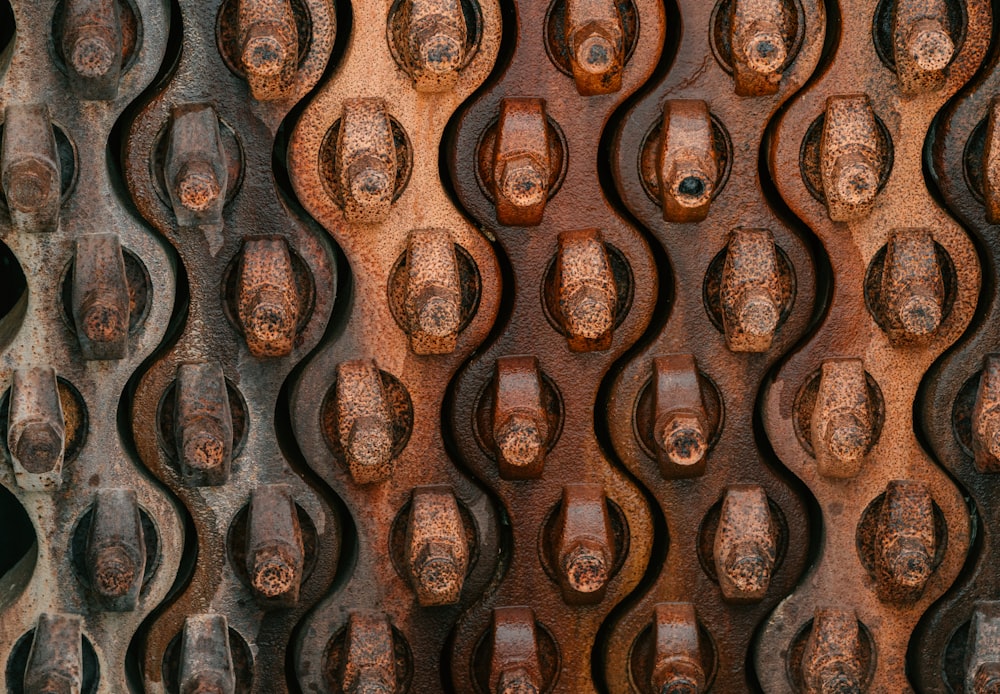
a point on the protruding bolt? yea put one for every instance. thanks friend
(366, 160)
(991, 163)
(364, 421)
(203, 424)
(982, 653)
(437, 549)
(852, 157)
(431, 35)
(524, 182)
(680, 423)
(514, 663)
(905, 541)
(922, 44)
(584, 545)
(29, 168)
(677, 660)
(521, 164)
(929, 45)
(267, 297)
(987, 679)
(368, 665)
(269, 46)
(842, 420)
(206, 658)
(101, 303)
(745, 544)
(36, 428)
(750, 291)
(197, 186)
(912, 285)
(520, 423)
(55, 662)
(687, 168)
(986, 417)
(433, 301)
(92, 47)
(596, 37)
(196, 171)
(682, 439)
(586, 294)
(274, 551)
(760, 41)
(831, 661)
(116, 549)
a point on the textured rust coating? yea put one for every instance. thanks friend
(870, 533)
(97, 277)
(681, 410)
(525, 162)
(261, 284)
(956, 411)
(364, 160)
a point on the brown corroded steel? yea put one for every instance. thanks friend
(681, 411)
(261, 284)
(363, 159)
(94, 575)
(958, 412)
(896, 532)
(526, 162)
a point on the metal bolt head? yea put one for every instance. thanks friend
(911, 565)
(39, 447)
(748, 568)
(264, 52)
(370, 444)
(114, 572)
(439, 52)
(202, 448)
(595, 53)
(587, 566)
(273, 575)
(930, 46)
(920, 314)
(439, 572)
(758, 314)
(847, 437)
(765, 49)
(93, 52)
(29, 185)
(370, 185)
(683, 439)
(523, 182)
(196, 185)
(437, 312)
(102, 322)
(856, 179)
(520, 440)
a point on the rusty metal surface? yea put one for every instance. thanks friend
(681, 411)
(840, 411)
(959, 402)
(728, 427)
(525, 162)
(261, 282)
(424, 292)
(100, 290)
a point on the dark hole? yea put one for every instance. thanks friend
(19, 534)
(7, 27)
(692, 186)
(12, 281)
